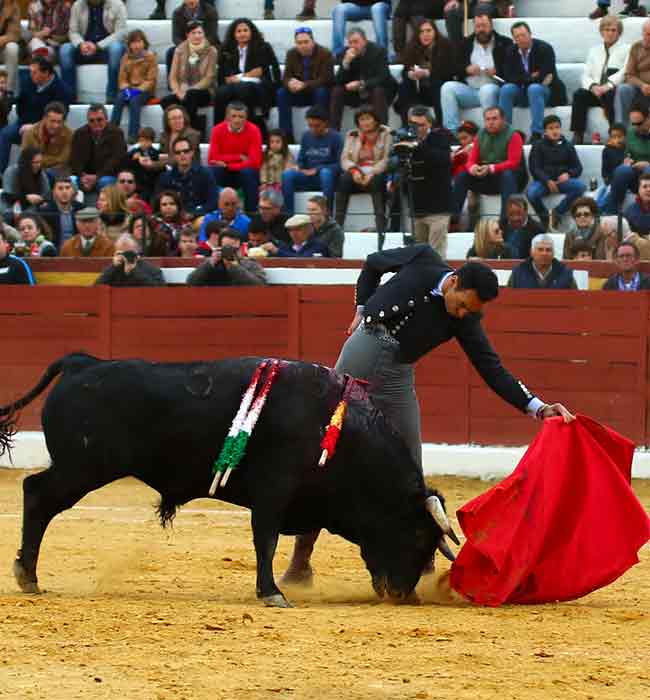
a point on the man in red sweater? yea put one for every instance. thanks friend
(235, 154)
(495, 164)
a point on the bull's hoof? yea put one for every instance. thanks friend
(27, 583)
(276, 601)
(298, 577)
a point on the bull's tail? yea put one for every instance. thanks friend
(9, 413)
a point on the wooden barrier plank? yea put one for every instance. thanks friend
(200, 301)
(202, 331)
(597, 349)
(81, 327)
(195, 353)
(622, 322)
(40, 352)
(55, 301)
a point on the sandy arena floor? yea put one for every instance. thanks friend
(134, 613)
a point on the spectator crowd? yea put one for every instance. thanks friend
(128, 194)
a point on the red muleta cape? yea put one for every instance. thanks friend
(563, 524)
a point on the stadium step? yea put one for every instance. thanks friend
(287, 9)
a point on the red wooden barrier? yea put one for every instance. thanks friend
(588, 349)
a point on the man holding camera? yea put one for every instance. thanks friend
(128, 268)
(226, 266)
(427, 161)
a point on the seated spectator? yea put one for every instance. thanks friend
(603, 73)
(13, 270)
(531, 78)
(60, 210)
(37, 91)
(89, 242)
(428, 60)
(613, 155)
(169, 217)
(627, 277)
(97, 32)
(191, 11)
(248, 70)
(270, 213)
(48, 24)
(303, 243)
(587, 228)
(634, 91)
(143, 159)
(261, 243)
(188, 242)
(638, 213)
(25, 184)
(192, 75)
(318, 160)
(495, 164)
(127, 183)
(52, 137)
(364, 161)
(455, 14)
(481, 58)
(160, 12)
(235, 153)
(128, 269)
(34, 238)
(10, 36)
(363, 77)
(636, 162)
(581, 251)
(227, 266)
(211, 242)
(325, 229)
(195, 183)
(6, 99)
(176, 122)
(98, 149)
(11, 233)
(113, 211)
(229, 212)
(555, 168)
(355, 10)
(518, 228)
(488, 242)
(136, 82)
(542, 270)
(308, 76)
(466, 134)
(308, 11)
(275, 160)
(153, 243)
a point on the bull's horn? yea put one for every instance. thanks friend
(434, 506)
(444, 548)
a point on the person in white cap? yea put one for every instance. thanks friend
(303, 243)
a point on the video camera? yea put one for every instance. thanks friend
(401, 152)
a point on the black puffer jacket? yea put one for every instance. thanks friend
(549, 159)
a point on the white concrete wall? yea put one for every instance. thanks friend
(30, 452)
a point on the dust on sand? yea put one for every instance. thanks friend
(134, 613)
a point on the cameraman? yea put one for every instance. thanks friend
(428, 176)
(226, 266)
(128, 268)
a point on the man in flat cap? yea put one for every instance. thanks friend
(303, 243)
(89, 242)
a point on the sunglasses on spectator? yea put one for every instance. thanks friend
(579, 214)
(96, 120)
(180, 151)
(126, 182)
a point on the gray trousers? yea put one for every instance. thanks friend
(371, 354)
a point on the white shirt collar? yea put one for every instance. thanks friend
(437, 292)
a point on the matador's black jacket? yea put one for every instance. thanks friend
(418, 319)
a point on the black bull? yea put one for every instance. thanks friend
(165, 424)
